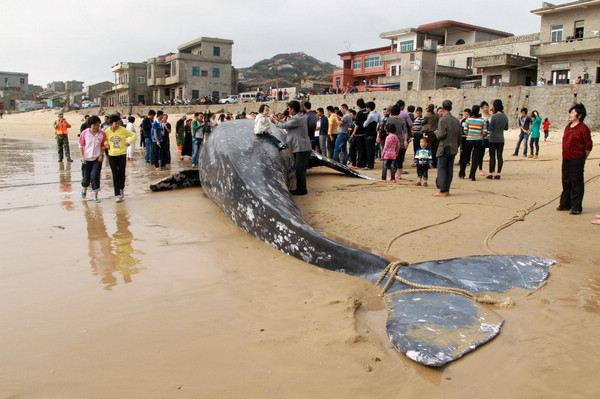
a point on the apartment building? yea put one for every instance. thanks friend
(200, 68)
(569, 46)
(130, 86)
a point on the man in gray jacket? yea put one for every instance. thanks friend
(449, 137)
(298, 142)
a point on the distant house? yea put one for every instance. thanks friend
(360, 69)
(200, 68)
(569, 42)
(130, 87)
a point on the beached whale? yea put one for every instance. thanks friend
(436, 309)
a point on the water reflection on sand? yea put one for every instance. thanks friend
(31, 177)
(112, 257)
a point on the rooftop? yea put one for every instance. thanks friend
(548, 8)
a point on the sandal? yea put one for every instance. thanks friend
(597, 221)
(425, 184)
(83, 194)
(418, 183)
(96, 200)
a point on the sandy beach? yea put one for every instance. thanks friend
(161, 296)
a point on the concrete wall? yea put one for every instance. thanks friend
(553, 102)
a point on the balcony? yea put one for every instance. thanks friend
(566, 47)
(500, 60)
(122, 86)
(121, 66)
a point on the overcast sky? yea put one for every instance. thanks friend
(59, 40)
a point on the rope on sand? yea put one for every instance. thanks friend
(519, 217)
(392, 270)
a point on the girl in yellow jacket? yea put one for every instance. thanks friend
(116, 142)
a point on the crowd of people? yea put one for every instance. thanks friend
(355, 138)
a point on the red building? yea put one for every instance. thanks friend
(361, 69)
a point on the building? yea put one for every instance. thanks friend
(130, 87)
(94, 92)
(569, 44)
(14, 81)
(360, 69)
(14, 87)
(201, 67)
(434, 55)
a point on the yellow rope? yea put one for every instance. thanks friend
(392, 270)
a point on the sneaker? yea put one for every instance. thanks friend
(365, 168)
(69, 160)
(525, 155)
(497, 177)
(118, 198)
(535, 157)
(515, 155)
(529, 156)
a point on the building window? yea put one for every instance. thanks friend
(167, 92)
(561, 77)
(452, 62)
(167, 73)
(412, 57)
(141, 79)
(215, 94)
(556, 33)
(373, 61)
(174, 68)
(357, 64)
(409, 86)
(393, 71)
(469, 62)
(216, 73)
(578, 29)
(217, 51)
(22, 81)
(407, 45)
(204, 74)
(337, 82)
(149, 71)
(195, 94)
(495, 80)
(459, 42)
(195, 71)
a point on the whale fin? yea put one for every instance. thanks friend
(434, 328)
(317, 159)
(183, 179)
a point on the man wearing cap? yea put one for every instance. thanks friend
(62, 139)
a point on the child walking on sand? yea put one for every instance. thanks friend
(390, 153)
(546, 126)
(423, 160)
(91, 149)
(262, 127)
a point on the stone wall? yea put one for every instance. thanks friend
(552, 102)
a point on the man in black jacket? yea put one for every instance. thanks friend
(146, 126)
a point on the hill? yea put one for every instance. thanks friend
(290, 67)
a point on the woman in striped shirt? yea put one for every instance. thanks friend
(475, 129)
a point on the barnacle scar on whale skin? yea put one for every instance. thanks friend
(248, 179)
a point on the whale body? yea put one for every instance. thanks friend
(249, 179)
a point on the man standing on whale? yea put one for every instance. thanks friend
(298, 141)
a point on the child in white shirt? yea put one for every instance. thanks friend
(262, 127)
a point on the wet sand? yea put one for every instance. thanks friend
(161, 296)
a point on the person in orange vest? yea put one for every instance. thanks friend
(62, 138)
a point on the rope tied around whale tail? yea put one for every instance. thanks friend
(392, 270)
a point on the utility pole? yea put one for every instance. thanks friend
(276, 79)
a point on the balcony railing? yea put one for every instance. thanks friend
(568, 46)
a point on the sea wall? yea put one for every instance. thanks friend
(552, 102)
